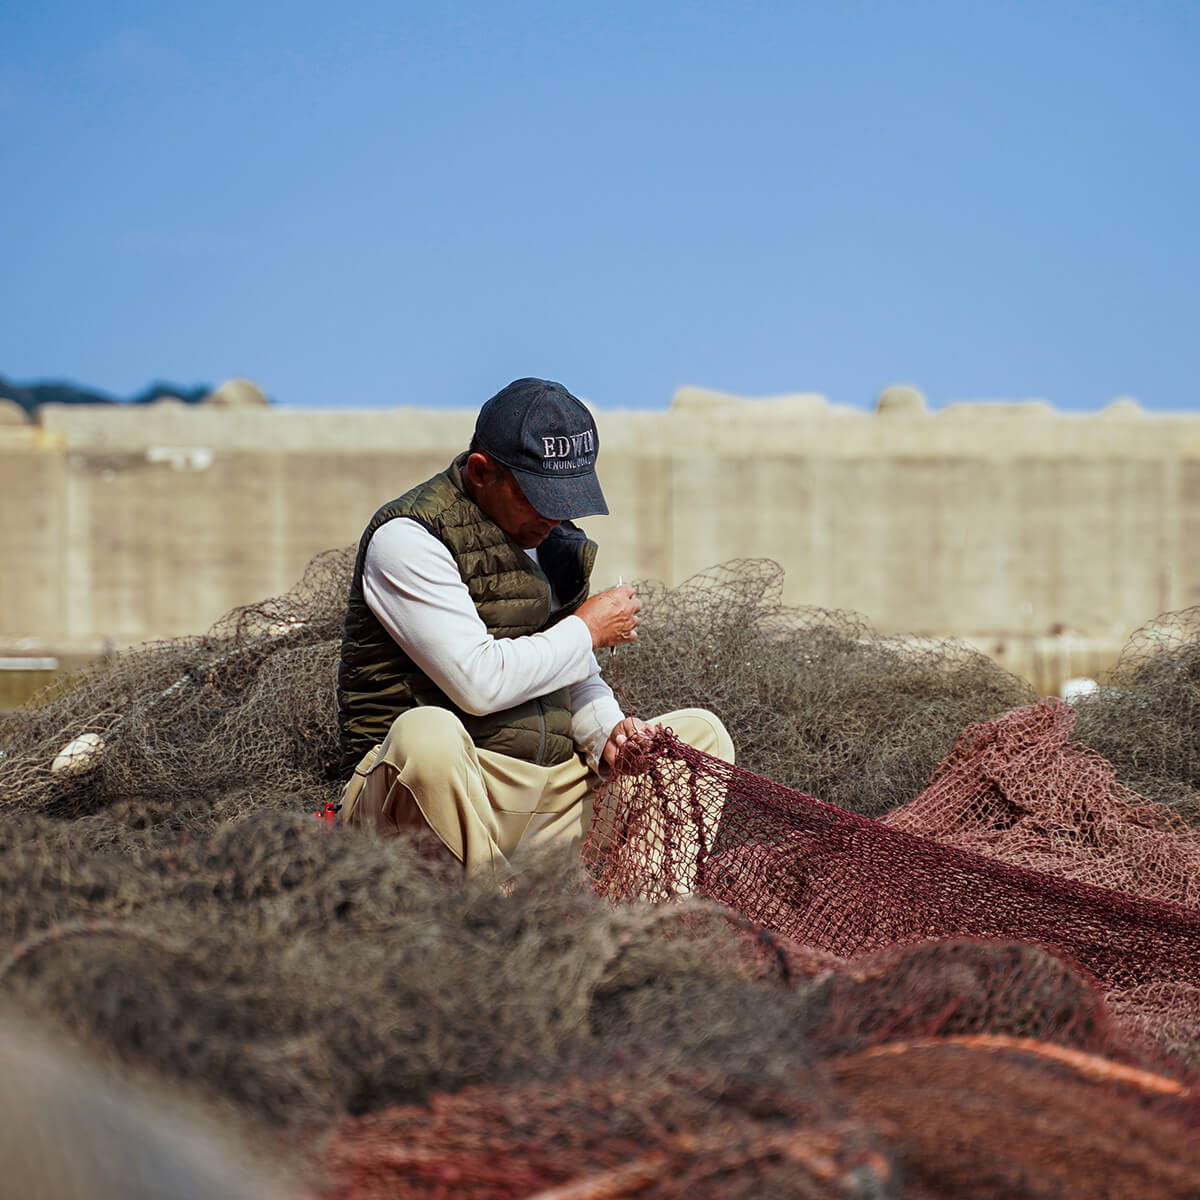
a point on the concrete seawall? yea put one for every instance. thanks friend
(1012, 525)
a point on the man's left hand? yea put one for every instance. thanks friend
(622, 732)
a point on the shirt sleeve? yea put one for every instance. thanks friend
(412, 584)
(594, 712)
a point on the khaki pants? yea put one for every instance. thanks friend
(427, 774)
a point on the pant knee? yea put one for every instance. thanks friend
(702, 730)
(424, 740)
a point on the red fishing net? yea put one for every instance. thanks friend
(1018, 789)
(627, 1131)
(997, 1118)
(980, 1115)
(673, 821)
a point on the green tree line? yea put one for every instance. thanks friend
(30, 395)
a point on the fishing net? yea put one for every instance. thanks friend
(673, 821)
(999, 1119)
(1145, 719)
(167, 899)
(530, 1039)
(813, 699)
(632, 1130)
(187, 732)
(182, 734)
(885, 1110)
(954, 987)
(301, 974)
(1019, 789)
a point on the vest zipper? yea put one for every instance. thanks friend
(542, 741)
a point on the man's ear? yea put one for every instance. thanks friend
(478, 470)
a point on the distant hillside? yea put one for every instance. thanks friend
(30, 395)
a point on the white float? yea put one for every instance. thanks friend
(1079, 686)
(78, 755)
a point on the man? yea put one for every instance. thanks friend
(469, 694)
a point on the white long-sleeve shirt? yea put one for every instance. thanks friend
(412, 584)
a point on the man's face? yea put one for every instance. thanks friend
(495, 489)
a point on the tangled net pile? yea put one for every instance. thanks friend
(195, 730)
(789, 997)
(813, 699)
(1145, 719)
(1017, 788)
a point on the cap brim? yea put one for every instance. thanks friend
(563, 498)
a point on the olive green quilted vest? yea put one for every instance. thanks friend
(377, 681)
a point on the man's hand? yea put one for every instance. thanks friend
(629, 729)
(611, 616)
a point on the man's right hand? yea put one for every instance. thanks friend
(611, 616)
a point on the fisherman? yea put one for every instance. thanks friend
(470, 699)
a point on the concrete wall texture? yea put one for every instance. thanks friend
(1004, 523)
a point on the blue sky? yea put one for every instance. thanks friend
(370, 204)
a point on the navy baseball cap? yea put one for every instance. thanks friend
(547, 438)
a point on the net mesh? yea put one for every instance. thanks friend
(627, 1131)
(168, 900)
(979, 1117)
(813, 699)
(1145, 719)
(193, 730)
(673, 821)
(1017, 788)
(301, 974)
(917, 1120)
